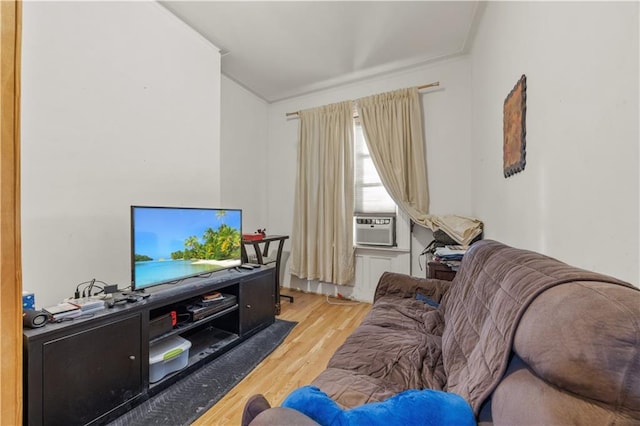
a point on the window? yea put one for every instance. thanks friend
(370, 194)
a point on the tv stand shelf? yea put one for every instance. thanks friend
(91, 371)
(184, 327)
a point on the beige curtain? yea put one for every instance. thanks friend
(10, 248)
(392, 125)
(322, 236)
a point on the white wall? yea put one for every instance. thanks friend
(120, 106)
(447, 117)
(577, 199)
(243, 146)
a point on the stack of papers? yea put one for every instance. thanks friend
(88, 304)
(63, 310)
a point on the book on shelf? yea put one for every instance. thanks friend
(212, 298)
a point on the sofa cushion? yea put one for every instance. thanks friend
(350, 389)
(393, 342)
(397, 347)
(522, 398)
(584, 338)
(282, 416)
(406, 286)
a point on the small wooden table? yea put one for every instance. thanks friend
(263, 259)
(440, 271)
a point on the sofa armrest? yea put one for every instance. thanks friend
(282, 416)
(401, 285)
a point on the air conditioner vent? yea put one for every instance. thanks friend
(375, 230)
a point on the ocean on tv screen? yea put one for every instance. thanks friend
(155, 271)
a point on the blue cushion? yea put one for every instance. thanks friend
(413, 407)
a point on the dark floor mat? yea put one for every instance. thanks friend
(187, 399)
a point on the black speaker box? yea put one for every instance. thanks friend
(34, 319)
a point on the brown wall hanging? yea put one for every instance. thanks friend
(515, 109)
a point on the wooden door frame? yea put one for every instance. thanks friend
(10, 245)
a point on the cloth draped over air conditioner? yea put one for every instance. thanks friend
(462, 229)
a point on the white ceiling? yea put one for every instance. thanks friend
(282, 49)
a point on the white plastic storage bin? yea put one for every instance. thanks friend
(166, 356)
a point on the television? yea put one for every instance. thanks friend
(170, 244)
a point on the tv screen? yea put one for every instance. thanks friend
(169, 244)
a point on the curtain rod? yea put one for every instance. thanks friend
(424, 86)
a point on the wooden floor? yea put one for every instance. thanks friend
(322, 327)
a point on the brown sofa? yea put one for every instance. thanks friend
(524, 338)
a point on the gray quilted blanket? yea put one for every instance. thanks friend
(482, 309)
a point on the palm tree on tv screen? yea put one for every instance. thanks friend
(214, 245)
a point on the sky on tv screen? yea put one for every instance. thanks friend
(158, 232)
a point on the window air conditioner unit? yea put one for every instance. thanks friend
(375, 230)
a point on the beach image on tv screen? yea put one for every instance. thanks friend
(173, 243)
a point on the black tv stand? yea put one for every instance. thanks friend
(92, 370)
